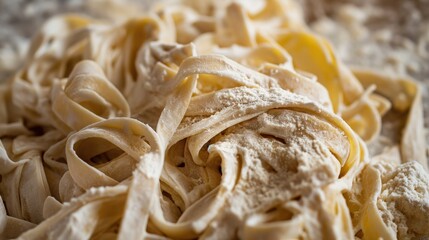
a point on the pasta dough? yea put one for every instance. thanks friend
(205, 120)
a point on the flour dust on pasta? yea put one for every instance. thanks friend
(209, 120)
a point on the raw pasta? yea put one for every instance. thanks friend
(205, 119)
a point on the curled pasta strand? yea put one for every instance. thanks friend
(88, 95)
(404, 94)
(111, 131)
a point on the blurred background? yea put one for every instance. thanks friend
(392, 35)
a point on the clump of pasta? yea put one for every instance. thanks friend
(211, 121)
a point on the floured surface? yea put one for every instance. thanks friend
(379, 34)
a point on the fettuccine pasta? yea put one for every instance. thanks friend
(208, 120)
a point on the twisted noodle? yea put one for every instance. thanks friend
(203, 120)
